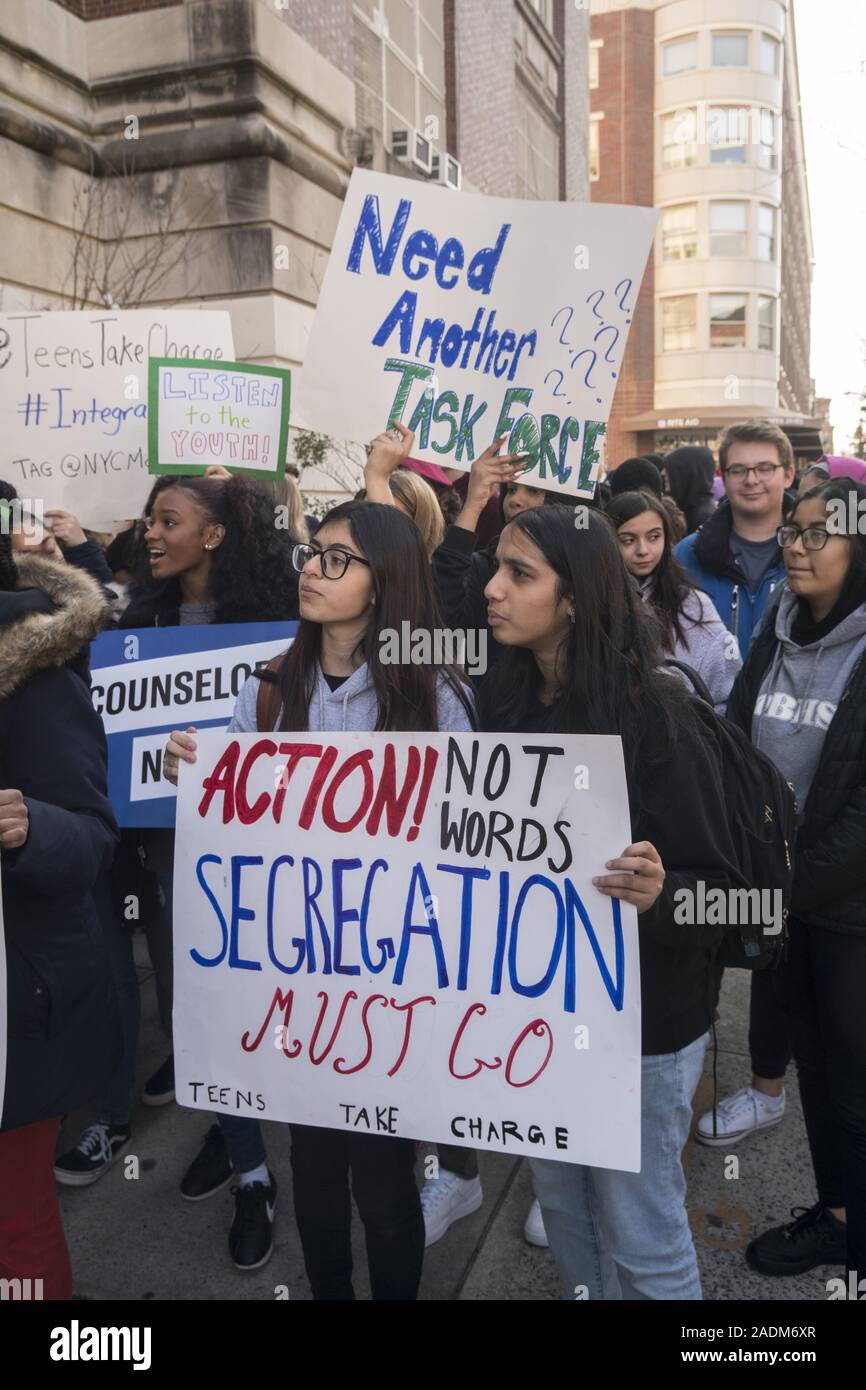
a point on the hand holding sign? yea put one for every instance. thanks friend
(14, 820)
(387, 451)
(640, 880)
(65, 527)
(179, 746)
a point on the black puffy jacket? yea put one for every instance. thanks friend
(63, 1031)
(830, 865)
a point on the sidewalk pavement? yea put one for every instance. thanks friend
(137, 1239)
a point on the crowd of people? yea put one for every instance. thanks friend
(685, 592)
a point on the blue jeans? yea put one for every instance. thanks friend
(244, 1142)
(626, 1235)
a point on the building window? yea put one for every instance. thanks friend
(730, 51)
(768, 148)
(766, 233)
(727, 320)
(537, 150)
(544, 10)
(679, 323)
(728, 134)
(594, 147)
(766, 323)
(729, 223)
(679, 139)
(594, 54)
(399, 50)
(679, 56)
(769, 56)
(679, 233)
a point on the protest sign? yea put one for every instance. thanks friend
(397, 933)
(73, 401)
(469, 317)
(235, 414)
(147, 681)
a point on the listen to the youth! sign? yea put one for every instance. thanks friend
(73, 401)
(469, 317)
(235, 414)
(397, 933)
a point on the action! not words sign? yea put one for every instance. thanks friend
(147, 681)
(397, 933)
(469, 317)
(73, 401)
(234, 414)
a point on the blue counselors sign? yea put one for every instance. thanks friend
(148, 681)
(468, 317)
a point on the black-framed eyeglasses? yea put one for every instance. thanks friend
(333, 560)
(763, 470)
(813, 537)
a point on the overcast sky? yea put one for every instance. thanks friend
(831, 44)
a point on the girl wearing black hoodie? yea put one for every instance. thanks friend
(801, 697)
(212, 554)
(581, 656)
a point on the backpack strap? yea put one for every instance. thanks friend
(268, 702)
(697, 682)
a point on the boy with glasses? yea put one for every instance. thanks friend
(736, 558)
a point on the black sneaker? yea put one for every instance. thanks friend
(814, 1237)
(99, 1146)
(251, 1238)
(159, 1088)
(210, 1170)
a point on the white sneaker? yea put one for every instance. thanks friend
(533, 1231)
(447, 1199)
(745, 1112)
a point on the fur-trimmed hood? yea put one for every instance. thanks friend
(51, 630)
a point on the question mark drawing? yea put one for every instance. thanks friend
(600, 297)
(554, 371)
(586, 381)
(566, 309)
(625, 308)
(609, 328)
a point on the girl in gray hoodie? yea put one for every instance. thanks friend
(692, 629)
(364, 575)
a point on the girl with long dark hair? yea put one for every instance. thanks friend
(801, 697)
(692, 630)
(581, 655)
(364, 574)
(209, 552)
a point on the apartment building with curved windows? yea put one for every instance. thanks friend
(695, 110)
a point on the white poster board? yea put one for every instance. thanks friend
(73, 402)
(469, 317)
(398, 933)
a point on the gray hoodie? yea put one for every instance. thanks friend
(801, 691)
(708, 647)
(352, 706)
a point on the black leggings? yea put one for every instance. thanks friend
(822, 987)
(383, 1184)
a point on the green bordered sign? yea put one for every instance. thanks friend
(235, 414)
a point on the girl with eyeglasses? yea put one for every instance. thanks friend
(692, 630)
(580, 654)
(801, 696)
(365, 573)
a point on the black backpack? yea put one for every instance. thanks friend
(763, 823)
